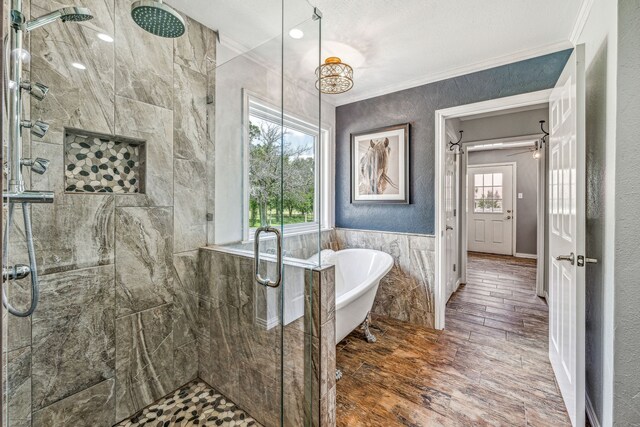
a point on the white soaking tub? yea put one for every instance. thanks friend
(358, 274)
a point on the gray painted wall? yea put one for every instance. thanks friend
(417, 106)
(526, 183)
(505, 125)
(600, 39)
(627, 226)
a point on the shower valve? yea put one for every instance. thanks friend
(38, 127)
(37, 90)
(15, 272)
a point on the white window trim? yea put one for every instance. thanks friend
(324, 154)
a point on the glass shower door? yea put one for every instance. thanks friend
(267, 224)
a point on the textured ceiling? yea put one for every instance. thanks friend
(394, 44)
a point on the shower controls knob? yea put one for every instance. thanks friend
(38, 127)
(37, 90)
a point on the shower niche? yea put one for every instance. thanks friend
(97, 163)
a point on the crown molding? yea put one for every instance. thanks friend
(458, 71)
(581, 21)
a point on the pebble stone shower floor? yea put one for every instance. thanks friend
(194, 404)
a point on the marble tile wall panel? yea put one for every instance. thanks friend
(77, 98)
(152, 124)
(144, 359)
(186, 321)
(144, 272)
(74, 322)
(197, 48)
(190, 114)
(190, 209)
(144, 62)
(74, 236)
(89, 408)
(16, 388)
(406, 292)
(320, 336)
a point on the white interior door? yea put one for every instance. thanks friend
(451, 231)
(567, 234)
(490, 209)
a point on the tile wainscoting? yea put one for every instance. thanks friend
(119, 297)
(406, 293)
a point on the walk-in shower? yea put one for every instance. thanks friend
(135, 134)
(17, 193)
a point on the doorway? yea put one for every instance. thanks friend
(561, 248)
(491, 225)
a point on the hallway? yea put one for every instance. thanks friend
(488, 367)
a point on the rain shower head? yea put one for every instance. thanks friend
(66, 14)
(157, 18)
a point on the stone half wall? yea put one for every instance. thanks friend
(241, 346)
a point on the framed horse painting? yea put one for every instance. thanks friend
(380, 165)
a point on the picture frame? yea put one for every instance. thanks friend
(380, 160)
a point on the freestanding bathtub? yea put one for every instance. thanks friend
(358, 274)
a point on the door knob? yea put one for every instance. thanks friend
(571, 258)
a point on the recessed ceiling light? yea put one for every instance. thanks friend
(79, 66)
(296, 33)
(105, 37)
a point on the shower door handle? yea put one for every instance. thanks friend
(256, 256)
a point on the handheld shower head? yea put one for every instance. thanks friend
(75, 14)
(66, 14)
(157, 18)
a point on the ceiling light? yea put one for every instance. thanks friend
(334, 76)
(78, 65)
(296, 33)
(105, 37)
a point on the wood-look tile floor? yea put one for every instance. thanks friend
(488, 367)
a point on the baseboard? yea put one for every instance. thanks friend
(531, 256)
(591, 414)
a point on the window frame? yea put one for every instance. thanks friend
(255, 105)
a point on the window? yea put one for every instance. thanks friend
(487, 194)
(283, 170)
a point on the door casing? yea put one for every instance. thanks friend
(441, 147)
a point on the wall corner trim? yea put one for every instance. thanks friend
(581, 21)
(591, 413)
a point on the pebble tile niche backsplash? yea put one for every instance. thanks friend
(101, 164)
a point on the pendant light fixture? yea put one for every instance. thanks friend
(334, 76)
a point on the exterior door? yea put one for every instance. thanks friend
(567, 234)
(490, 209)
(451, 229)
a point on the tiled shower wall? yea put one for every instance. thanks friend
(117, 320)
